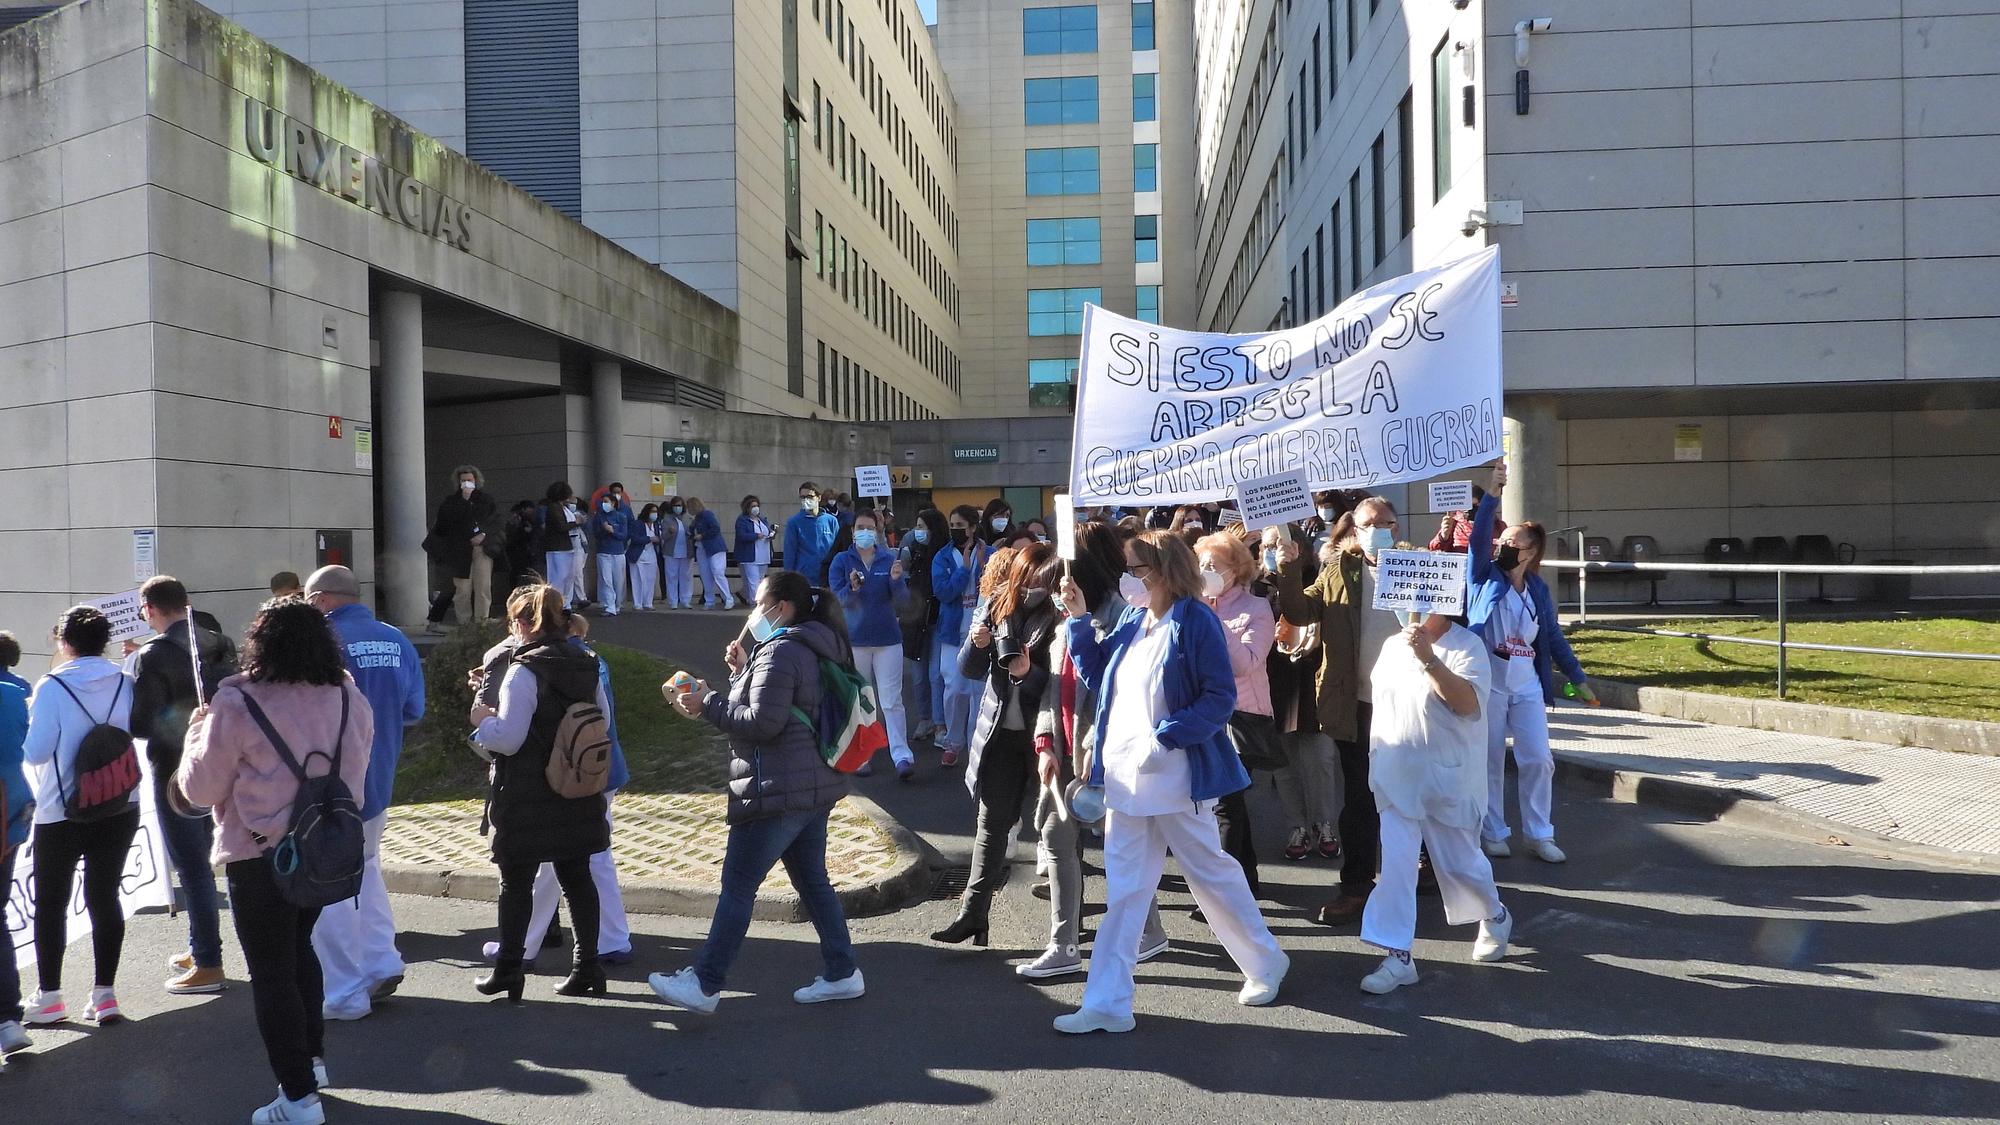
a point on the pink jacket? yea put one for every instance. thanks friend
(1251, 627)
(231, 765)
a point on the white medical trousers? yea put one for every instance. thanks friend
(356, 941)
(1135, 852)
(610, 581)
(1464, 875)
(645, 579)
(559, 571)
(680, 583)
(882, 666)
(715, 581)
(1525, 716)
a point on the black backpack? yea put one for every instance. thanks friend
(318, 861)
(106, 765)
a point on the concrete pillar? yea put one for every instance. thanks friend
(1533, 443)
(402, 586)
(607, 403)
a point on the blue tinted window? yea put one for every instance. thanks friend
(1149, 304)
(1059, 31)
(1059, 312)
(1059, 101)
(1064, 242)
(1062, 171)
(1145, 107)
(1142, 27)
(1145, 167)
(1146, 238)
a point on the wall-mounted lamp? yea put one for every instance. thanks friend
(1521, 32)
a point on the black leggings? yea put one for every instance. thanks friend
(102, 845)
(517, 887)
(1005, 768)
(287, 987)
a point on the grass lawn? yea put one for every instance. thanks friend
(1959, 689)
(665, 752)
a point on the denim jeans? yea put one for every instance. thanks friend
(10, 973)
(755, 846)
(189, 840)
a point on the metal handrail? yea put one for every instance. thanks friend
(1584, 569)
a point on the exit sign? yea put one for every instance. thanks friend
(686, 455)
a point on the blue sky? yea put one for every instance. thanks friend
(929, 9)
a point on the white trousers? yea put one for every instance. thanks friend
(610, 581)
(356, 941)
(645, 579)
(614, 935)
(576, 591)
(753, 576)
(1135, 852)
(1464, 875)
(882, 666)
(1525, 716)
(559, 569)
(680, 583)
(715, 580)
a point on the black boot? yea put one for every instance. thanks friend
(587, 979)
(969, 924)
(555, 937)
(506, 977)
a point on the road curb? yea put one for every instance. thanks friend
(670, 896)
(1749, 810)
(1959, 736)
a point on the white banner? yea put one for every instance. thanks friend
(1401, 382)
(144, 885)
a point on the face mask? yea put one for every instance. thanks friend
(864, 539)
(604, 506)
(617, 498)
(1212, 584)
(653, 519)
(1271, 559)
(1507, 557)
(756, 509)
(959, 535)
(1133, 589)
(1329, 514)
(1035, 598)
(678, 509)
(999, 523)
(921, 535)
(1375, 540)
(466, 487)
(1041, 538)
(761, 629)
(809, 505)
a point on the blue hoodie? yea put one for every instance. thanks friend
(13, 771)
(386, 668)
(611, 542)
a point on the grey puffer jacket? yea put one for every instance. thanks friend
(774, 762)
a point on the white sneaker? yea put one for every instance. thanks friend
(1491, 944)
(1086, 1020)
(284, 1111)
(682, 990)
(1546, 851)
(1055, 961)
(353, 1008)
(1394, 974)
(45, 1008)
(1498, 849)
(1257, 993)
(319, 1073)
(103, 1007)
(1149, 952)
(821, 989)
(13, 1037)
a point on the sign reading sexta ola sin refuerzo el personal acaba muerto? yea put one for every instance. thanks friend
(1401, 382)
(360, 178)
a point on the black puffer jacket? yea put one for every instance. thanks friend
(774, 762)
(531, 824)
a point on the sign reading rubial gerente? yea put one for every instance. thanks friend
(361, 178)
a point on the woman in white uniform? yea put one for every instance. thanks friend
(643, 553)
(677, 547)
(1164, 696)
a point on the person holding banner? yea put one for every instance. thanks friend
(1164, 697)
(1428, 743)
(868, 579)
(956, 572)
(1510, 607)
(82, 694)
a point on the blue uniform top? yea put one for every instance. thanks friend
(619, 773)
(609, 530)
(13, 756)
(385, 667)
(808, 538)
(871, 610)
(7, 677)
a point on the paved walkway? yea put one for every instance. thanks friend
(1912, 794)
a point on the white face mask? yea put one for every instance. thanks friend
(1375, 540)
(999, 523)
(756, 509)
(1133, 589)
(1213, 584)
(466, 487)
(1329, 514)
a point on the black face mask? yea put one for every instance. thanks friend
(1507, 557)
(1034, 598)
(959, 535)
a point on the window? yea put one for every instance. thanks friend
(1305, 136)
(1051, 382)
(1059, 312)
(819, 244)
(1145, 167)
(1148, 308)
(1333, 248)
(1441, 119)
(1059, 31)
(1062, 171)
(1142, 27)
(1064, 242)
(1354, 228)
(819, 130)
(1291, 135)
(1059, 101)
(1353, 33)
(1291, 316)
(1380, 200)
(1406, 163)
(1319, 106)
(1146, 238)
(1318, 280)
(1145, 107)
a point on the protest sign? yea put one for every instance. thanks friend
(1400, 383)
(1065, 518)
(1274, 500)
(123, 610)
(1420, 582)
(143, 887)
(1451, 496)
(871, 480)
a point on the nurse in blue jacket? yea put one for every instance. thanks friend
(1511, 609)
(1164, 694)
(955, 572)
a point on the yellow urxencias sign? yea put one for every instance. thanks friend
(358, 177)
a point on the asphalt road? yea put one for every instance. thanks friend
(1672, 971)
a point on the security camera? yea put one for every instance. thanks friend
(1471, 226)
(1461, 5)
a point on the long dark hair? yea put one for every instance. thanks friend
(808, 602)
(1034, 565)
(291, 643)
(1103, 548)
(994, 507)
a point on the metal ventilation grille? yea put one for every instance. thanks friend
(646, 386)
(523, 116)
